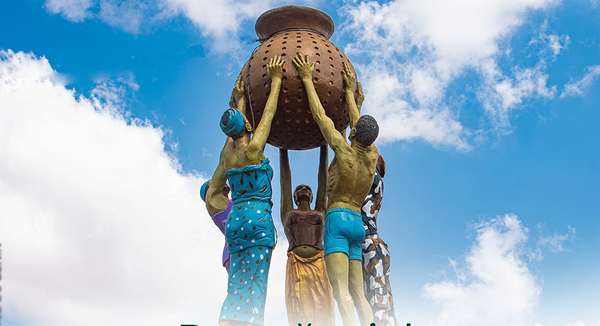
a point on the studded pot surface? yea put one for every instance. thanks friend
(287, 31)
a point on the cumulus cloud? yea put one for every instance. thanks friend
(217, 20)
(399, 119)
(221, 19)
(418, 48)
(496, 286)
(99, 225)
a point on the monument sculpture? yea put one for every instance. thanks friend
(308, 294)
(299, 104)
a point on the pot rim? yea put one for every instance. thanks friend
(292, 17)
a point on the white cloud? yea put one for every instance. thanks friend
(399, 119)
(217, 20)
(555, 243)
(558, 43)
(99, 226)
(220, 19)
(496, 286)
(74, 10)
(555, 43)
(424, 46)
(500, 94)
(578, 87)
(128, 15)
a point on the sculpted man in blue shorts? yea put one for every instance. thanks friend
(350, 177)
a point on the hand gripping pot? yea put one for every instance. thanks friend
(286, 31)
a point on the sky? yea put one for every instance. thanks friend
(109, 124)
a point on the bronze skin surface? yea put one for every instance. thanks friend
(308, 293)
(302, 195)
(217, 195)
(350, 177)
(246, 150)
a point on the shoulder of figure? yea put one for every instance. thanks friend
(342, 149)
(374, 151)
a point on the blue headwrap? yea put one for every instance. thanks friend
(203, 190)
(232, 123)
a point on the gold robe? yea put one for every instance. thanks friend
(308, 294)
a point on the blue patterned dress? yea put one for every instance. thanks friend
(250, 234)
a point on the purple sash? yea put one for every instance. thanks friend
(220, 219)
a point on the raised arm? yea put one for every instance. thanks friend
(360, 95)
(349, 86)
(321, 203)
(257, 144)
(215, 201)
(238, 99)
(285, 181)
(305, 69)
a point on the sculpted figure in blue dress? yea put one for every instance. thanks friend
(250, 232)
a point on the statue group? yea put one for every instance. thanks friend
(299, 91)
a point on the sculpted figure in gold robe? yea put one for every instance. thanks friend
(308, 294)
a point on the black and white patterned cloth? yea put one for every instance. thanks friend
(376, 259)
(371, 205)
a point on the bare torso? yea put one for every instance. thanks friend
(350, 176)
(236, 154)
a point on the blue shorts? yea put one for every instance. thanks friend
(344, 232)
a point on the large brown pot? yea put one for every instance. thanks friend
(286, 31)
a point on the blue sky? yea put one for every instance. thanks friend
(521, 89)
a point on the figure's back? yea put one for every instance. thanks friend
(350, 176)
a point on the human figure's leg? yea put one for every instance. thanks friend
(357, 292)
(337, 271)
(247, 287)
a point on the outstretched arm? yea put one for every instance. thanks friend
(238, 99)
(285, 181)
(305, 69)
(214, 199)
(321, 203)
(349, 86)
(257, 144)
(360, 95)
